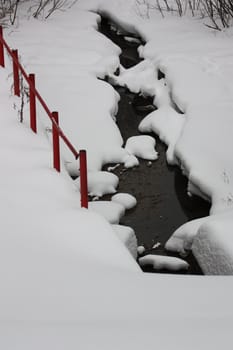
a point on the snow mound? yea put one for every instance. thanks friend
(127, 200)
(182, 239)
(142, 146)
(213, 245)
(111, 211)
(140, 78)
(141, 249)
(127, 236)
(100, 183)
(130, 161)
(166, 123)
(160, 262)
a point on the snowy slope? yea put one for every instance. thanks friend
(66, 280)
(66, 74)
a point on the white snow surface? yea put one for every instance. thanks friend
(213, 245)
(127, 200)
(66, 74)
(110, 210)
(66, 279)
(142, 146)
(141, 249)
(100, 183)
(130, 161)
(166, 123)
(182, 239)
(128, 237)
(140, 78)
(160, 262)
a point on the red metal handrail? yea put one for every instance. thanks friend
(57, 131)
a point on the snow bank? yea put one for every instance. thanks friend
(66, 74)
(182, 239)
(195, 83)
(140, 78)
(210, 239)
(195, 75)
(127, 236)
(181, 53)
(198, 73)
(166, 123)
(44, 233)
(111, 211)
(213, 245)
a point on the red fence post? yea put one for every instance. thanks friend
(32, 103)
(56, 145)
(16, 73)
(2, 61)
(83, 178)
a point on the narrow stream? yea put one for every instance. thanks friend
(160, 189)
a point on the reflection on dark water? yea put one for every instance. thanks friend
(160, 189)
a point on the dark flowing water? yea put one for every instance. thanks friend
(160, 189)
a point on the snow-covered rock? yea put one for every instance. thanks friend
(213, 245)
(182, 239)
(127, 200)
(142, 146)
(141, 249)
(130, 161)
(166, 123)
(100, 183)
(160, 262)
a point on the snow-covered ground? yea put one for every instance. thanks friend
(67, 281)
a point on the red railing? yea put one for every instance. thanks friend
(56, 130)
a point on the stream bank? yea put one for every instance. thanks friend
(160, 189)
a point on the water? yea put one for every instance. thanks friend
(160, 189)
